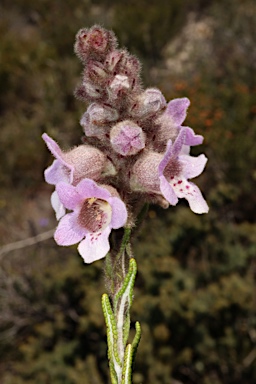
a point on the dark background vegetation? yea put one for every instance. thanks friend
(195, 293)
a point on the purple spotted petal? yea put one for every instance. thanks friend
(68, 232)
(94, 246)
(191, 138)
(68, 195)
(190, 192)
(177, 110)
(88, 188)
(196, 202)
(193, 166)
(167, 191)
(119, 212)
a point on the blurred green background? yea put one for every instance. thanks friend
(195, 294)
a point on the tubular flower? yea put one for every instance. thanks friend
(176, 168)
(80, 162)
(95, 212)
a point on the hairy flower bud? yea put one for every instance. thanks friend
(101, 113)
(94, 42)
(95, 117)
(91, 91)
(144, 174)
(127, 138)
(95, 72)
(118, 86)
(148, 103)
(112, 61)
(74, 165)
(129, 64)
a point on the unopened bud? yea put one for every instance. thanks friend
(94, 42)
(87, 162)
(91, 129)
(148, 103)
(96, 116)
(95, 72)
(118, 86)
(112, 60)
(129, 64)
(81, 162)
(144, 174)
(127, 138)
(101, 113)
(91, 91)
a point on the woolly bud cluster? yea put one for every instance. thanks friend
(135, 150)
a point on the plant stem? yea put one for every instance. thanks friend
(117, 317)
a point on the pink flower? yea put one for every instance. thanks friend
(176, 168)
(72, 166)
(168, 173)
(95, 212)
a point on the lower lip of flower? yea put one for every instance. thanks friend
(95, 214)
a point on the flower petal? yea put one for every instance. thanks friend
(52, 146)
(56, 173)
(172, 150)
(55, 149)
(68, 195)
(94, 246)
(193, 166)
(59, 155)
(191, 138)
(179, 142)
(119, 212)
(167, 157)
(88, 188)
(57, 205)
(167, 191)
(189, 191)
(177, 110)
(68, 231)
(196, 202)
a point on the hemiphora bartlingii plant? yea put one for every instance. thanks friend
(135, 151)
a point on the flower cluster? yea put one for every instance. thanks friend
(134, 150)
